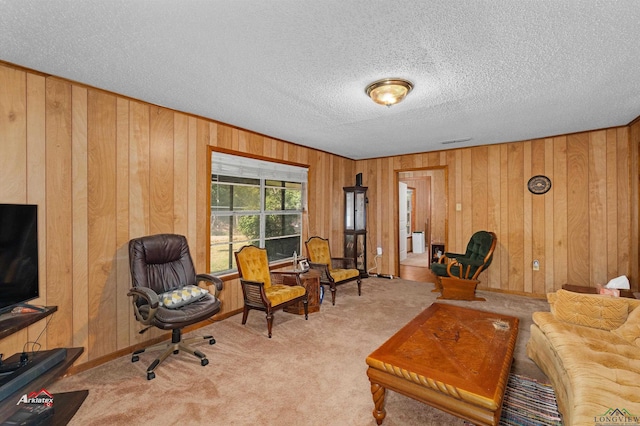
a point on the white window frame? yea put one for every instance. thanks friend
(245, 167)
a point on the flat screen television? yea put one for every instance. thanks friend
(18, 254)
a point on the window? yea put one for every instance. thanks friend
(254, 202)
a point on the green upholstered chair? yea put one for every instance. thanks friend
(333, 270)
(265, 290)
(467, 265)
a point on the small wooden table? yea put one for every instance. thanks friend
(452, 358)
(310, 280)
(592, 290)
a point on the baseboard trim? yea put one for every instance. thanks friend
(75, 369)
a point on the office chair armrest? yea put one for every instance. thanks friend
(343, 263)
(215, 281)
(152, 300)
(147, 294)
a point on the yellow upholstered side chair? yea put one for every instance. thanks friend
(265, 290)
(333, 270)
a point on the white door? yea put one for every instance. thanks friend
(402, 214)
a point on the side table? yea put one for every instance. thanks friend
(592, 290)
(311, 281)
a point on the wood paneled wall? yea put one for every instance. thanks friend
(583, 231)
(105, 168)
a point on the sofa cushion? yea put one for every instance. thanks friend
(280, 293)
(630, 330)
(590, 310)
(591, 369)
(344, 274)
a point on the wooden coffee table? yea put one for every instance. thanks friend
(452, 358)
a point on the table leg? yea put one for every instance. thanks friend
(378, 392)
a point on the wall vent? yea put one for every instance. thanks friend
(455, 141)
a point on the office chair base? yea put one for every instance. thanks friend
(175, 346)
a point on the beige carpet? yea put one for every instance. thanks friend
(417, 259)
(310, 373)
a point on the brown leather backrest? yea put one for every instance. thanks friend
(161, 262)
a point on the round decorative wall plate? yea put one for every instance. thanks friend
(539, 184)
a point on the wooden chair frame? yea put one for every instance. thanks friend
(256, 298)
(462, 286)
(336, 263)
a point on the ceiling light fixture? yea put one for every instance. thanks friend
(388, 91)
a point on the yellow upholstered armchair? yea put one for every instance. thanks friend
(333, 270)
(265, 290)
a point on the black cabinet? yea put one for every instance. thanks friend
(355, 226)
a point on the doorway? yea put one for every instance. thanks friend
(422, 214)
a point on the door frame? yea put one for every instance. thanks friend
(396, 212)
(401, 220)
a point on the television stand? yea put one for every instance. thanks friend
(10, 322)
(65, 404)
(25, 308)
(9, 367)
(34, 365)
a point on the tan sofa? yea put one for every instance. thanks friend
(589, 347)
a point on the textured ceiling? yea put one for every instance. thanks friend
(486, 71)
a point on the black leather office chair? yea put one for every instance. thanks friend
(166, 295)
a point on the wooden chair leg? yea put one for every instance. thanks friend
(305, 303)
(438, 286)
(269, 323)
(333, 295)
(245, 314)
(359, 286)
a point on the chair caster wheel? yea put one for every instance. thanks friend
(212, 341)
(135, 358)
(151, 375)
(204, 362)
(176, 351)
